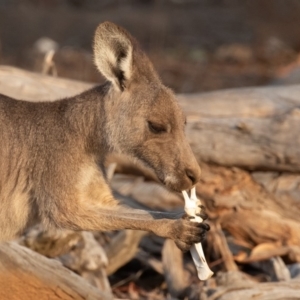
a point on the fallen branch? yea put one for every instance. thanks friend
(176, 276)
(25, 274)
(260, 122)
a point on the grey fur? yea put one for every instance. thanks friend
(52, 153)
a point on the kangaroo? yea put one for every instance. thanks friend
(52, 154)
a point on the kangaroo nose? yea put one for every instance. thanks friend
(193, 174)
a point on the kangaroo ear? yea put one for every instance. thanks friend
(113, 54)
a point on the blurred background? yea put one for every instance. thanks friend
(196, 45)
(253, 202)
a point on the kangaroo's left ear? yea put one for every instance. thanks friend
(113, 54)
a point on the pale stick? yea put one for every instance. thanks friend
(192, 208)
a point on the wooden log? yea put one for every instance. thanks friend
(220, 246)
(275, 268)
(237, 285)
(25, 274)
(252, 128)
(285, 186)
(78, 251)
(176, 276)
(24, 85)
(244, 208)
(122, 249)
(89, 260)
(150, 261)
(251, 214)
(285, 290)
(135, 187)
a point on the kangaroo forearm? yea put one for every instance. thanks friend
(159, 223)
(148, 214)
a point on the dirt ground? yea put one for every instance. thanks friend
(195, 45)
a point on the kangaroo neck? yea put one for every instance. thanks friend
(86, 114)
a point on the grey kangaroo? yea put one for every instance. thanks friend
(52, 154)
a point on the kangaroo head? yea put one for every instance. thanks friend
(143, 118)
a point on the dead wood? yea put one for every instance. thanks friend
(150, 261)
(265, 251)
(285, 186)
(122, 248)
(176, 276)
(237, 285)
(252, 128)
(88, 259)
(261, 123)
(227, 282)
(247, 211)
(244, 208)
(78, 251)
(275, 268)
(220, 246)
(25, 85)
(49, 243)
(24, 274)
(149, 195)
(285, 290)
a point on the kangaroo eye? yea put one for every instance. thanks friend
(156, 128)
